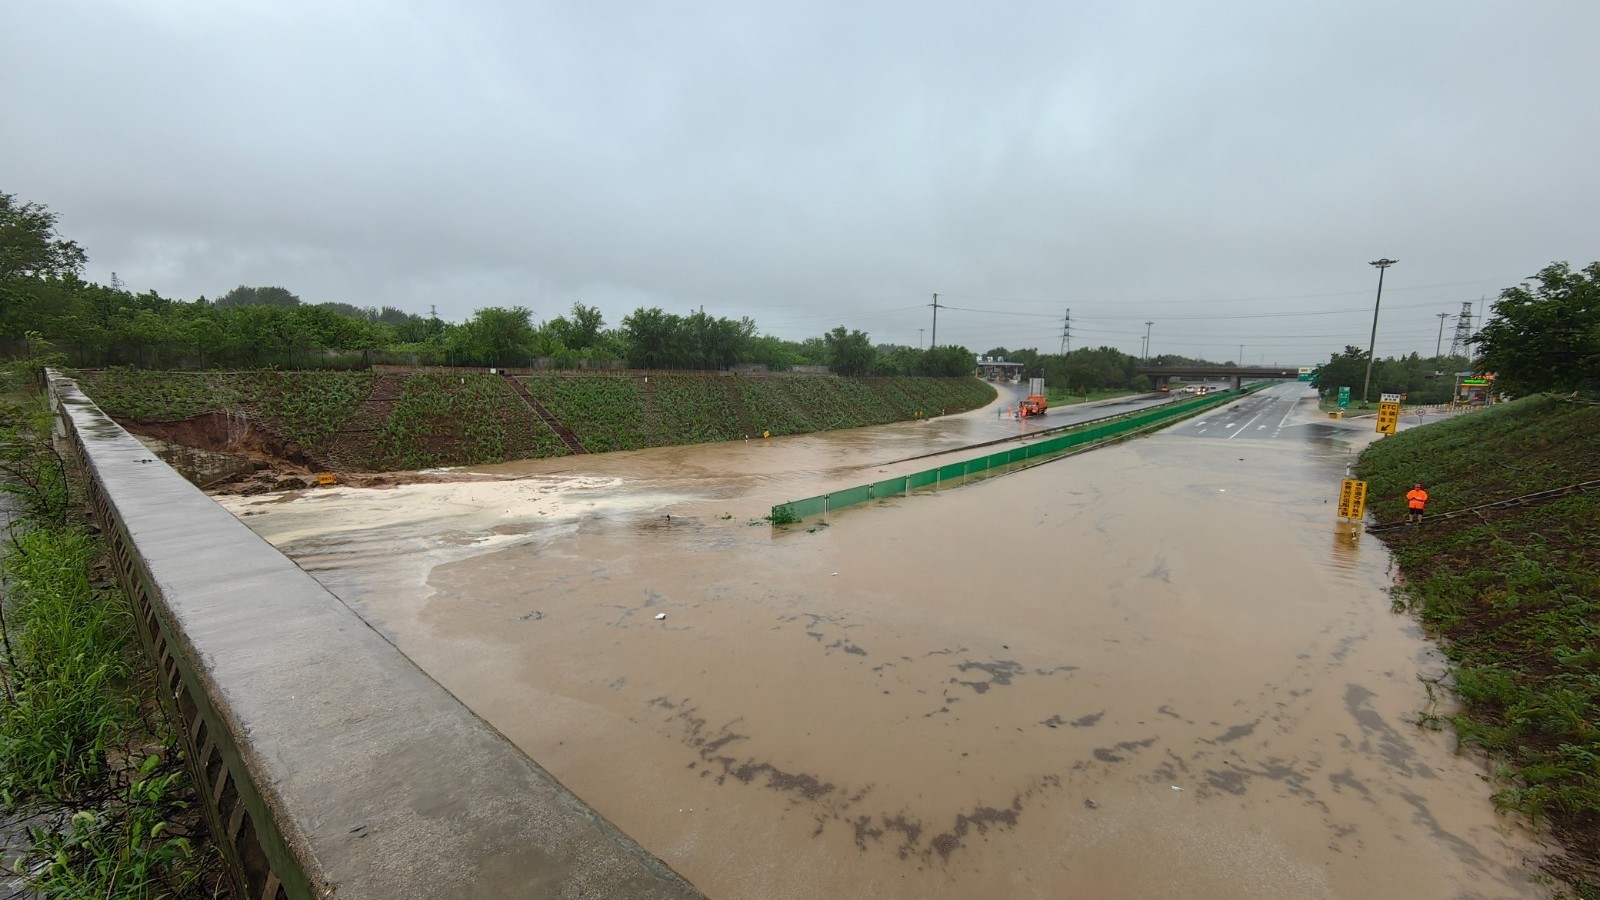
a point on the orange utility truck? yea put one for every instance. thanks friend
(1036, 404)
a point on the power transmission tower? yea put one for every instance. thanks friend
(1463, 330)
(1066, 332)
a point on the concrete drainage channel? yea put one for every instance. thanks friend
(328, 763)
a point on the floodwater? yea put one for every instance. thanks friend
(1155, 669)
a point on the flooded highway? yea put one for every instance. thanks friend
(1155, 669)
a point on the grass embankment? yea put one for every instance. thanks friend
(458, 420)
(345, 421)
(1515, 594)
(610, 412)
(82, 744)
(1063, 397)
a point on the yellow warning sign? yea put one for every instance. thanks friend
(1388, 417)
(1352, 498)
(325, 478)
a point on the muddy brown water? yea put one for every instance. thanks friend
(1156, 669)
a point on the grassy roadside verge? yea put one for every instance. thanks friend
(83, 747)
(1063, 397)
(1515, 596)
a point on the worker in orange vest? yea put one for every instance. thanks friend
(1416, 499)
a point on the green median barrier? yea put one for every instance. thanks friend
(849, 497)
(954, 474)
(800, 509)
(892, 487)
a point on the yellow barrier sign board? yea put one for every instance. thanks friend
(1388, 417)
(1352, 498)
(326, 478)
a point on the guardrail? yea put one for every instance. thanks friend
(327, 763)
(956, 474)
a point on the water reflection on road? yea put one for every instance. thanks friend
(1154, 669)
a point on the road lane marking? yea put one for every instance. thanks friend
(1246, 425)
(1287, 414)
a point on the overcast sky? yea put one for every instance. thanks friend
(1225, 170)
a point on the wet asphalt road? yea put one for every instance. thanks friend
(1264, 415)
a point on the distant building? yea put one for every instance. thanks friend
(995, 368)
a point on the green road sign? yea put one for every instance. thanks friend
(1344, 397)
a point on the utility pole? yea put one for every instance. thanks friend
(919, 337)
(935, 342)
(1372, 344)
(1439, 344)
(1066, 332)
(1240, 357)
(1146, 353)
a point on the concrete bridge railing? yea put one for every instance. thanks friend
(328, 764)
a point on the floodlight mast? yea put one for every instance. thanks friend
(1372, 344)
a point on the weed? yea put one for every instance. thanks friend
(1515, 594)
(73, 682)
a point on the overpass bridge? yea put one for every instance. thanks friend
(1161, 374)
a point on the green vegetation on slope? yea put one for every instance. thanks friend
(615, 412)
(459, 420)
(1515, 595)
(435, 419)
(307, 408)
(604, 412)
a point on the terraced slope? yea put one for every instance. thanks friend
(344, 421)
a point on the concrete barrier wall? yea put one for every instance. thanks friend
(329, 764)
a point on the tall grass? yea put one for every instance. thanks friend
(81, 740)
(67, 668)
(1515, 594)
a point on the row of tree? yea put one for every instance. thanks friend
(1544, 336)
(1422, 380)
(46, 299)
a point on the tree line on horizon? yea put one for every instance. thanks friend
(1544, 336)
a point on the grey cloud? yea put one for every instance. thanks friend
(824, 163)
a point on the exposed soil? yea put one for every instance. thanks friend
(267, 462)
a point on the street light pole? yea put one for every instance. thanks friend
(1372, 344)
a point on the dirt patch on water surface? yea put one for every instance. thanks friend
(893, 707)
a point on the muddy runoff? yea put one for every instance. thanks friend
(1154, 669)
